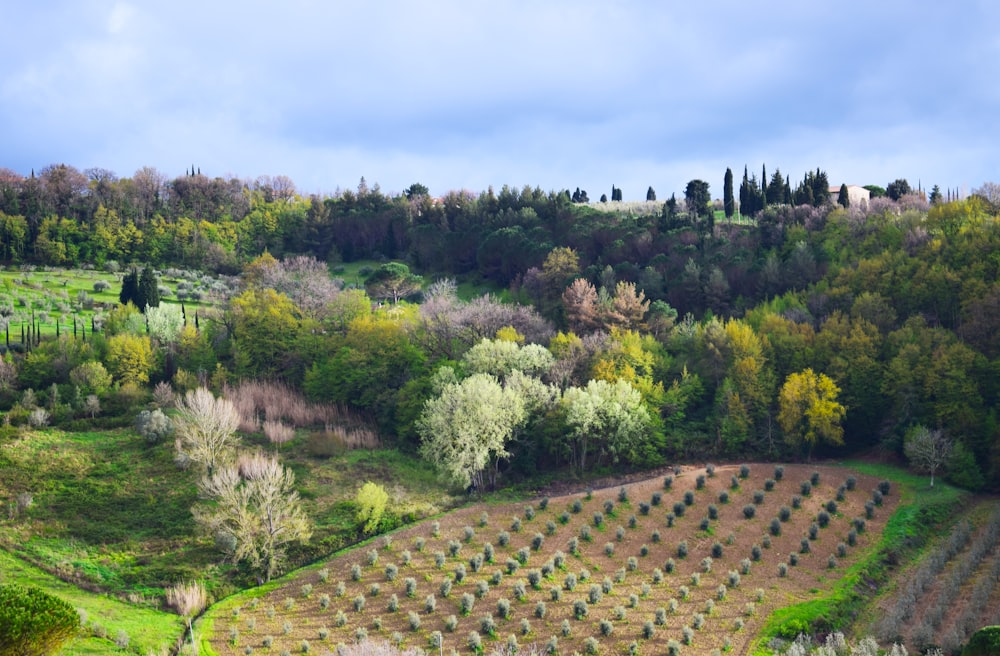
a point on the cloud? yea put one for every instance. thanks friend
(465, 94)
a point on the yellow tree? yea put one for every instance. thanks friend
(130, 358)
(808, 410)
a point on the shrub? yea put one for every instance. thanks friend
(796, 501)
(657, 575)
(576, 506)
(758, 497)
(688, 498)
(782, 570)
(749, 511)
(644, 550)
(775, 527)
(552, 646)
(814, 478)
(516, 525)
(535, 578)
(705, 524)
(655, 537)
(695, 579)
(643, 508)
(487, 624)
(580, 609)
(555, 594)
(393, 604)
(744, 471)
(598, 519)
(682, 549)
(543, 503)
(755, 552)
(359, 603)
(529, 513)
(467, 603)
(474, 641)
(669, 566)
(609, 549)
(594, 593)
(717, 550)
(877, 497)
(550, 527)
(766, 542)
(585, 532)
(391, 572)
(813, 531)
(831, 562)
(660, 616)
(33, 621)
(648, 630)
(670, 519)
(859, 524)
(793, 559)
(884, 487)
(519, 591)
(656, 499)
(565, 629)
(723, 497)
(687, 635)
(413, 620)
(699, 482)
(668, 482)
(459, 573)
(482, 588)
(450, 623)
(804, 546)
(769, 484)
(841, 493)
(622, 495)
(570, 581)
(805, 487)
(851, 483)
(823, 518)
(679, 509)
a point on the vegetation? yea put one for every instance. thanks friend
(33, 621)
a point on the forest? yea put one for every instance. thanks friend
(605, 334)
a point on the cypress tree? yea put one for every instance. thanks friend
(130, 288)
(149, 292)
(728, 201)
(843, 198)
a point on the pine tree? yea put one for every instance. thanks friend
(728, 202)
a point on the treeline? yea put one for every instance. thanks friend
(888, 313)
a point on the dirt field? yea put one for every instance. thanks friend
(631, 588)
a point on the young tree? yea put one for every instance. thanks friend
(149, 290)
(188, 599)
(728, 201)
(371, 501)
(205, 427)
(927, 450)
(808, 411)
(33, 622)
(254, 501)
(607, 418)
(130, 358)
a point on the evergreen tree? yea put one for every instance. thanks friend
(130, 287)
(650, 194)
(728, 202)
(821, 188)
(843, 198)
(935, 197)
(898, 188)
(149, 291)
(776, 189)
(604, 198)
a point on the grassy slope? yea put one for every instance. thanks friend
(922, 510)
(148, 630)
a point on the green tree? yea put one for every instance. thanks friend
(698, 198)
(205, 428)
(371, 501)
(393, 281)
(808, 411)
(130, 288)
(33, 622)
(728, 200)
(606, 419)
(465, 430)
(843, 198)
(650, 194)
(266, 325)
(897, 188)
(149, 290)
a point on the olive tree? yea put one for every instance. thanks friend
(205, 427)
(465, 430)
(927, 450)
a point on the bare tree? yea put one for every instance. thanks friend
(188, 599)
(927, 450)
(254, 501)
(205, 427)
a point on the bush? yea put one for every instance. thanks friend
(804, 546)
(689, 498)
(682, 549)
(851, 483)
(656, 498)
(744, 471)
(823, 518)
(679, 509)
(755, 552)
(33, 621)
(468, 603)
(717, 550)
(749, 511)
(153, 426)
(884, 487)
(758, 497)
(775, 527)
(668, 482)
(814, 478)
(622, 495)
(699, 482)
(805, 487)
(723, 497)
(648, 630)
(580, 609)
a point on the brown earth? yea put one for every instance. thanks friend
(750, 602)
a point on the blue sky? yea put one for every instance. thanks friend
(465, 94)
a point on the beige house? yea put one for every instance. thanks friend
(858, 196)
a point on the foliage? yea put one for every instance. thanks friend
(33, 622)
(371, 501)
(809, 411)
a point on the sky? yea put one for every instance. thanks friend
(465, 94)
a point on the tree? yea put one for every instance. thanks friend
(188, 599)
(927, 450)
(149, 290)
(253, 502)
(697, 198)
(650, 194)
(897, 189)
(728, 201)
(808, 411)
(130, 288)
(130, 358)
(580, 303)
(394, 281)
(936, 196)
(205, 427)
(843, 198)
(608, 418)
(265, 327)
(371, 501)
(416, 190)
(464, 432)
(33, 622)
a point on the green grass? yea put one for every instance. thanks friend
(921, 513)
(149, 630)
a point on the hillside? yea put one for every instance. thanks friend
(582, 572)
